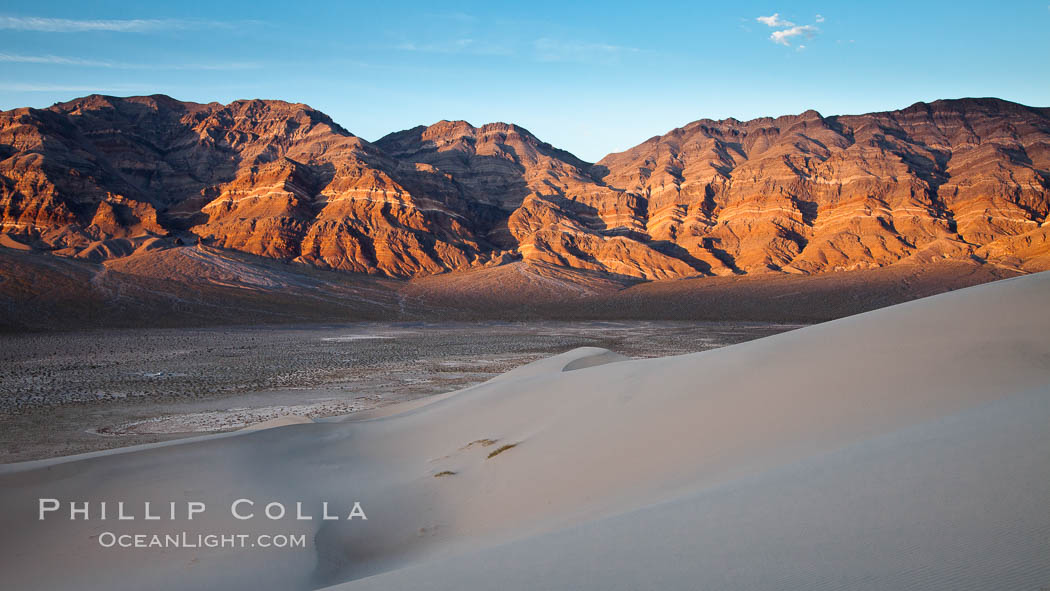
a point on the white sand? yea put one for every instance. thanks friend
(281, 421)
(903, 448)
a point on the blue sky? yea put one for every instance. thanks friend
(590, 78)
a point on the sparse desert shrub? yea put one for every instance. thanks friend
(501, 449)
(482, 442)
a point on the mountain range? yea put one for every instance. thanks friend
(100, 178)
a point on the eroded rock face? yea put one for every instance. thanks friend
(808, 193)
(101, 177)
(539, 203)
(265, 177)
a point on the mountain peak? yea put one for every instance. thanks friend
(972, 105)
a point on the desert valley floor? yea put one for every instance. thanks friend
(67, 393)
(903, 448)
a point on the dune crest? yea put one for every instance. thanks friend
(280, 421)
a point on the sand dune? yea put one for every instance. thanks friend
(281, 421)
(957, 503)
(901, 448)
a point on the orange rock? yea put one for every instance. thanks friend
(98, 176)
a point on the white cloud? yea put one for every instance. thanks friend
(787, 29)
(784, 37)
(65, 25)
(469, 46)
(23, 87)
(52, 59)
(774, 21)
(76, 61)
(554, 50)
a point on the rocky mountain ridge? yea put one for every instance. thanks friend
(101, 177)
